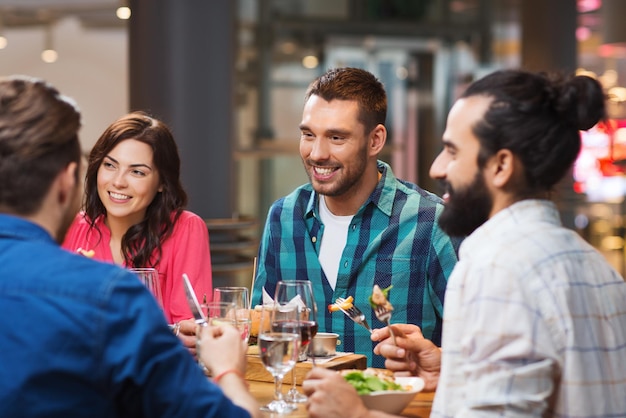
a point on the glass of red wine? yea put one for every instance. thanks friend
(300, 294)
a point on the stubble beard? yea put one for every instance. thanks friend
(343, 185)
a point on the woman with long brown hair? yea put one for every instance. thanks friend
(134, 214)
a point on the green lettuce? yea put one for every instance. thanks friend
(365, 384)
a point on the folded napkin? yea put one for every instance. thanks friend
(268, 300)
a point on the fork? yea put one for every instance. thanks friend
(354, 314)
(384, 315)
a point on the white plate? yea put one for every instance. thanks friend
(394, 401)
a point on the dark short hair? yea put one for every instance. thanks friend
(538, 117)
(38, 138)
(356, 84)
(140, 241)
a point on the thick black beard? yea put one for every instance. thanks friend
(467, 208)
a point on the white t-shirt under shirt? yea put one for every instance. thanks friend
(333, 241)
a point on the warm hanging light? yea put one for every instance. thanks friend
(123, 12)
(49, 54)
(3, 39)
(310, 61)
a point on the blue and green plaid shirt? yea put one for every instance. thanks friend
(393, 239)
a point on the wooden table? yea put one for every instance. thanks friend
(256, 371)
(262, 386)
(264, 393)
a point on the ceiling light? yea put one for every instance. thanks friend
(123, 12)
(49, 54)
(3, 39)
(310, 62)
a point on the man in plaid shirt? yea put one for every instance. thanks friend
(355, 224)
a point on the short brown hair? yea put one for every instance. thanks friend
(38, 138)
(356, 84)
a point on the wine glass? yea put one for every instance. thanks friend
(278, 349)
(150, 278)
(300, 294)
(239, 297)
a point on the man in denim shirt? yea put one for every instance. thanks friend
(78, 337)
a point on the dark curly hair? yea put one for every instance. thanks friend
(141, 240)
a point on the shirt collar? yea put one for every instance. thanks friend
(521, 212)
(16, 227)
(382, 196)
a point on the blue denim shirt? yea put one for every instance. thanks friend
(81, 338)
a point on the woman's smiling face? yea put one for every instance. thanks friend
(128, 181)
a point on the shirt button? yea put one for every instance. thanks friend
(353, 227)
(345, 264)
(314, 240)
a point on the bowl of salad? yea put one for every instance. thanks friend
(381, 391)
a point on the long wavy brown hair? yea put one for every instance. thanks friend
(141, 240)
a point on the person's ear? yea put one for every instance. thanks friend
(378, 137)
(67, 182)
(501, 168)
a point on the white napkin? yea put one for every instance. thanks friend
(297, 300)
(267, 299)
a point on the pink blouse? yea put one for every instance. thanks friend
(185, 251)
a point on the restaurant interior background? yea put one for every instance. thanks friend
(424, 51)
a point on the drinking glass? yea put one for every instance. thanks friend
(220, 313)
(300, 294)
(239, 297)
(217, 313)
(278, 349)
(150, 278)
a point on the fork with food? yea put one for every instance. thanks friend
(347, 306)
(382, 307)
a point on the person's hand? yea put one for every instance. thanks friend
(187, 335)
(414, 355)
(221, 349)
(330, 395)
